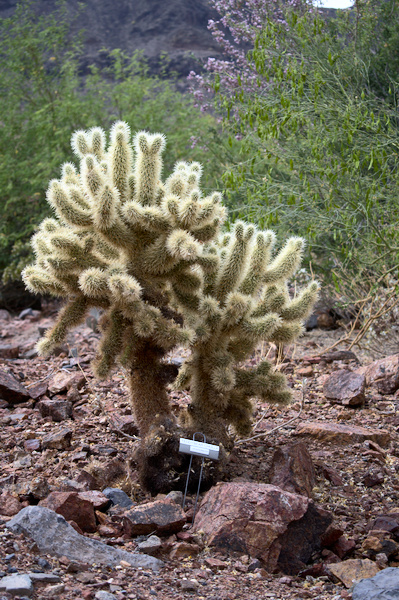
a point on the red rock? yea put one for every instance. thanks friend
(332, 534)
(346, 388)
(38, 390)
(332, 475)
(56, 408)
(342, 434)
(32, 445)
(73, 508)
(343, 546)
(184, 550)
(11, 390)
(63, 381)
(292, 469)
(305, 371)
(125, 423)
(383, 373)
(8, 351)
(159, 516)
(373, 478)
(280, 528)
(9, 504)
(215, 563)
(96, 498)
(59, 440)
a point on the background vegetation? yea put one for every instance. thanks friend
(299, 125)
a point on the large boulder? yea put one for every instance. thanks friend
(383, 586)
(279, 528)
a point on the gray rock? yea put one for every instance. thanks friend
(17, 585)
(383, 586)
(118, 497)
(150, 546)
(102, 595)
(176, 497)
(44, 577)
(53, 535)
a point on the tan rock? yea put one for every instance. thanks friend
(353, 570)
(63, 381)
(383, 373)
(336, 433)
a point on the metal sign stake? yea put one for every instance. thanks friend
(197, 448)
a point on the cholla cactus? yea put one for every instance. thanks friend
(126, 242)
(245, 301)
(150, 254)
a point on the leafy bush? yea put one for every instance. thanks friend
(319, 150)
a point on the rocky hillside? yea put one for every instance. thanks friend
(175, 27)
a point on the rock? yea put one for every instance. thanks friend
(343, 546)
(118, 497)
(38, 390)
(9, 504)
(353, 570)
(54, 536)
(125, 423)
(17, 585)
(280, 528)
(103, 474)
(304, 371)
(160, 516)
(215, 563)
(373, 545)
(346, 388)
(189, 585)
(98, 500)
(292, 469)
(35, 489)
(44, 577)
(331, 535)
(150, 546)
(63, 381)
(175, 496)
(383, 586)
(9, 351)
(342, 434)
(11, 390)
(389, 523)
(57, 409)
(73, 508)
(383, 373)
(4, 315)
(53, 591)
(59, 440)
(373, 478)
(33, 445)
(332, 475)
(102, 595)
(184, 550)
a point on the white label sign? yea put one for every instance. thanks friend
(199, 448)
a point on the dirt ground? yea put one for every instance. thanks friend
(356, 482)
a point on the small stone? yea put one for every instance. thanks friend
(56, 408)
(38, 390)
(9, 504)
(184, 550)
(4, 315)
(102, 595)
(189, 585)
(346, 388)
(43, 563)
(336, 433)
(125, 423)
(215, 563)
(292, 469)
(53, 591)
(118, 497)
(373, 478)
(17, 585)
(73, 508)
(304, 371)
(160, 516)
(98, 500)
(353, 570)
(343, 546)
(59, 440)
(150, 546)
(11, 390)
(9, 351)
(32, 445)
(44, 577)
(383, 373)
(176, 497)
(63, 381)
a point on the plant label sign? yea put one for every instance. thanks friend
(199, 449)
